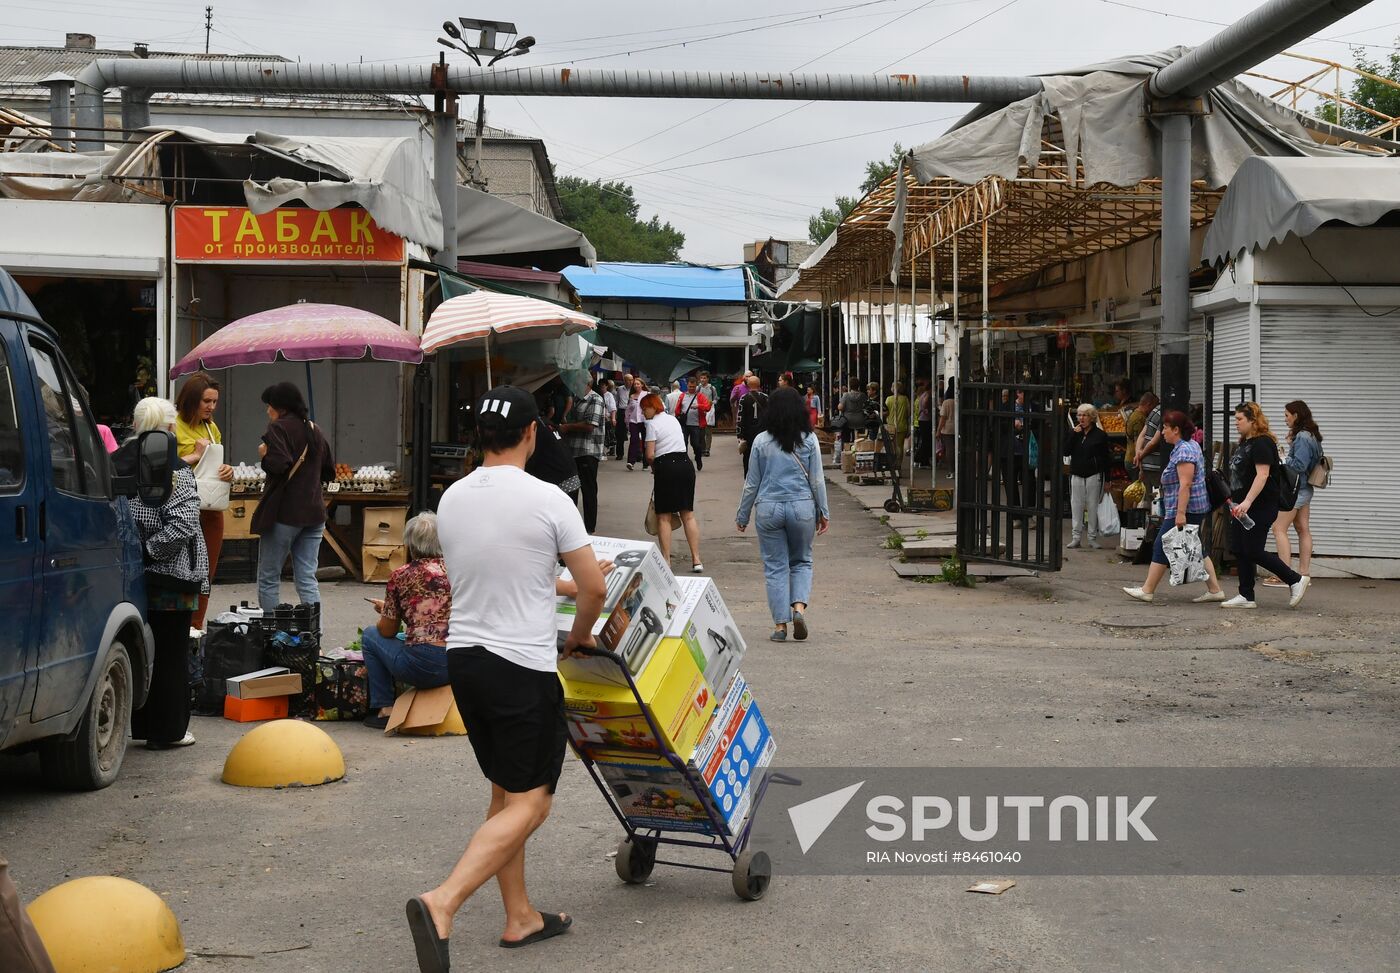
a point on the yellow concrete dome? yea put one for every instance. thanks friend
(284, 753)
(103, 924)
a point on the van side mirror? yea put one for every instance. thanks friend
(154, 475)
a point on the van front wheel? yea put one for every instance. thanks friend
(92, 758)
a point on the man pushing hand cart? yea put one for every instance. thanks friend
(502, 663)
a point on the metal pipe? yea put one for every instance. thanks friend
(136, 109)
(986, 316)
(60, 111)
(1176, 259)
(1255, 37)
(445, 183)
(410, 79)
(281, 77)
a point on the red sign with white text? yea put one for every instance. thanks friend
(235, 234)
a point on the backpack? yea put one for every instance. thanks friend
(1288, 481)
(1217, 489)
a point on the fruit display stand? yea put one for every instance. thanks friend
(750, 870)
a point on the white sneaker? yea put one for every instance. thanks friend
(1093, 543)
(1138, 594)
(1296, 591)
(1209, 596)
(1239, 601)
(1073, 543)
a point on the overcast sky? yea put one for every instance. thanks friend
(723, 173)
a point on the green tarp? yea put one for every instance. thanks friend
(658, 360)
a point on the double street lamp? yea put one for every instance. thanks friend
(489, 34)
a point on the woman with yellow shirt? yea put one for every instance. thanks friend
(195, 432)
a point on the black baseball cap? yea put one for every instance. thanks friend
(506, 407)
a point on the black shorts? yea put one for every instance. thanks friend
(514, 718)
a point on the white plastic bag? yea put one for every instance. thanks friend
(1185, 556)
(1108, 515)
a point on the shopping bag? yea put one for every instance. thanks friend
(213, 492)
(1108, 515)
(229, 649)
(342, 689)
(1185, 556)
(652, 523)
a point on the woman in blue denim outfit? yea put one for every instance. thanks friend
(785, 481)
(1304, 453)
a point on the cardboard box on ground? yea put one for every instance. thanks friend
(426, 712)
(730, 759)
(265, 683)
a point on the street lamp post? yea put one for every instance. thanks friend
(489, 33)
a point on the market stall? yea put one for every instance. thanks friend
(372, 493)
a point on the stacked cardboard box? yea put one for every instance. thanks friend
(260, 695)
(683, 649)
(382, 551)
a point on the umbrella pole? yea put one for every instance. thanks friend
(310, 394)
(489, 384)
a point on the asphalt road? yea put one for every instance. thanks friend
(896, 674)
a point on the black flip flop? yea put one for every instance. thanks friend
(433, 956)
(553, 926)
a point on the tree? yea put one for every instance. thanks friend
(820, 227)
(608, 214)
(1370, 92)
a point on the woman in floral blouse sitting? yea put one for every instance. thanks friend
(418, 595)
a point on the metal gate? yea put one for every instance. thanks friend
(1010, 475)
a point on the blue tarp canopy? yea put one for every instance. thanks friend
(675, 285)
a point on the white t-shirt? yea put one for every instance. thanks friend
(665, 431)
(502, 532)
(609, 403)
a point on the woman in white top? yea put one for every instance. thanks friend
(674, 491)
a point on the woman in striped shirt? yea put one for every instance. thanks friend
(1184, 495)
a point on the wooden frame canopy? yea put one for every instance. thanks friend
(1040, 218)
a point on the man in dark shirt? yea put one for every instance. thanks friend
(751, 408)
(552, 462)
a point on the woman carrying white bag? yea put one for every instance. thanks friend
(201, 446)
(1187, 505)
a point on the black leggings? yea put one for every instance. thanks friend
(166, 714)
(1248, 546)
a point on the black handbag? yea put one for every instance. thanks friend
(229, 649)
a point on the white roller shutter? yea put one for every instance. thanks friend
(1346, 366)
(1234, 355)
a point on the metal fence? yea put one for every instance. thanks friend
(1010, 474)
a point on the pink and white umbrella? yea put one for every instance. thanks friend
(305, 333)
(482, 316)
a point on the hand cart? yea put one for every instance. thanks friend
(751, 871)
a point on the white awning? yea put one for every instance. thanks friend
(1270, 198)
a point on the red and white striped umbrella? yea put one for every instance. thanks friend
(481, 314)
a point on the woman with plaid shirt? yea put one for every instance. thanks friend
(1184, 495)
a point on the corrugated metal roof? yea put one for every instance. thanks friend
(676, 285)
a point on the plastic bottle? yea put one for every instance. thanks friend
(1246, 521)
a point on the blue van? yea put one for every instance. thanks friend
(75, 649)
